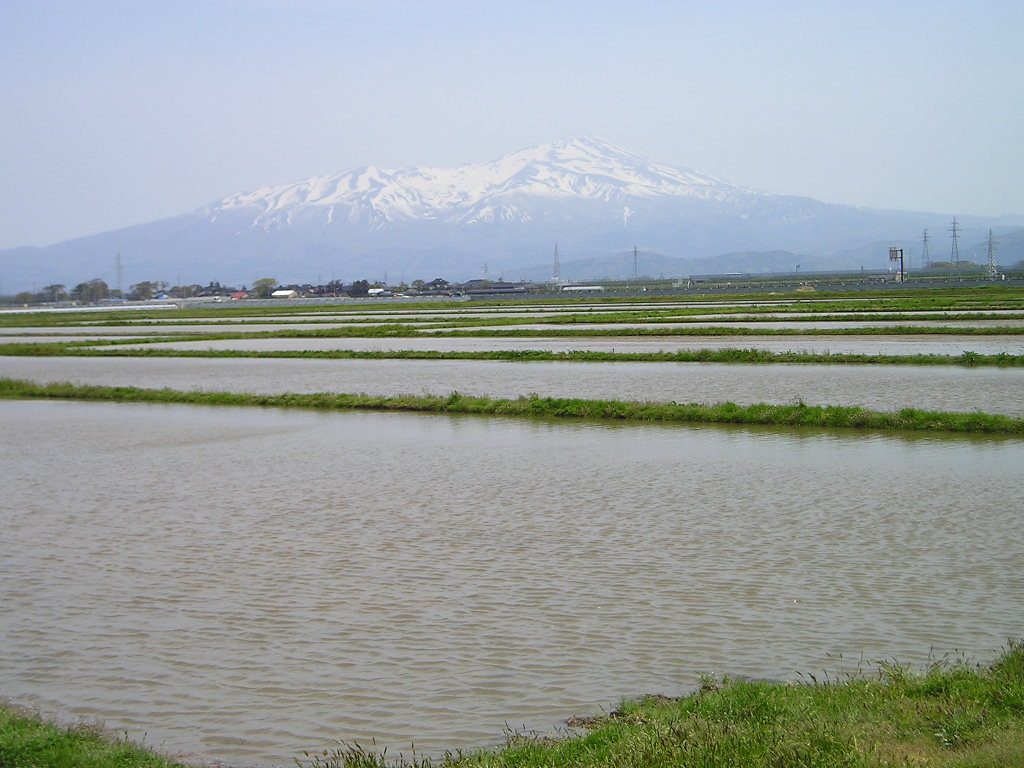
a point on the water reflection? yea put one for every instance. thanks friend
(244, 584)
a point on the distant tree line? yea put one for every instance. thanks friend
(97, 290)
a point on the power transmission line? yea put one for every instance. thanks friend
(990, 265)
(954, 255)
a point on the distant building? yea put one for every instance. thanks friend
(285, 293)
(489, 288)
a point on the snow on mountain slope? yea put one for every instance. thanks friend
(593, 199)
(584, 168)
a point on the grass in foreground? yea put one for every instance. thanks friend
(798, 414)
(28, 741)
(952, 715)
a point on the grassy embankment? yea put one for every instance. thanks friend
(952, 715)
(28, 741)
(797, 415)
(699, 330)
(555, 327)
(562, 318)
(977, 301)
(561, 327)
(108, 348)
(557, 316)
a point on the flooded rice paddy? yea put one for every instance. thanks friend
(884, 388)
(243, 585)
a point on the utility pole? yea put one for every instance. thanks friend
(925, 260)
(556, 272)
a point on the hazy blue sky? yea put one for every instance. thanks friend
(118, 112)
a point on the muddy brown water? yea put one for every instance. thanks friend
(244, 584)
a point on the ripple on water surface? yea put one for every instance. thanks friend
(247, 584)
(884, 388)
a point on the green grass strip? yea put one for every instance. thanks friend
(799, 414)
(733, 315)
(497, 332)
(475, 330)
(977, 299)
(28, 741)
(752, 355)
(693, 315)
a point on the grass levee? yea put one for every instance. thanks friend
(796, 415)
(752, 355)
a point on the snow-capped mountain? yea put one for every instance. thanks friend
(505, 190)
(592, 199)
